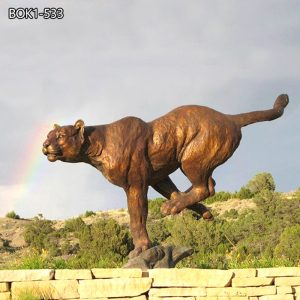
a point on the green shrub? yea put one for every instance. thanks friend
(206, 238)
(289, 244)
(89, 213)
(75, 225)
(158, 231)
(258, 233)
(67, 248)
(5, 243)
(12, 215)
(261, 182)
(154, 208)
(244, 193)
(102, 244)
(297, 194)
(108, 236)
(40, 235)
(219, 197)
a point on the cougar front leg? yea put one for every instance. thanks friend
(138, 211)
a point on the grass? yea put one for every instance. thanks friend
(264, 262)
(34, 294)
(27, 296)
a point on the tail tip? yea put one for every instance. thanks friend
(282, 101)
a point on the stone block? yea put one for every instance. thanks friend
(281, 290)
(52, 289)
(117, 273)
(26, 275)
(142, 297)
(277, 297)
(190, 278)
(177, 292)
(260, 291)
(256, 281)
(227, 292)
(72, 274)
(5, 296)
(278, 272)
(296, 290)
(4, 287)
(284, 281)
(116, 287)
(221, 298)
(244, 273)
(172, 298)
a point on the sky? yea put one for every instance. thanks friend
(109, 59)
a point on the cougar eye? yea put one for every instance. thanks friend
(60, 135)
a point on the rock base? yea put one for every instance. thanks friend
(159, 257)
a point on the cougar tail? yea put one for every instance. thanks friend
(264, 115)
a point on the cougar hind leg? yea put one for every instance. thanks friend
(211, 186)
(168, 189)
(200, 208)
(202, 186)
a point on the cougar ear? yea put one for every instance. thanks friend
(55, 126)
(79, 125)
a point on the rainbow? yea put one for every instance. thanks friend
(28, 169)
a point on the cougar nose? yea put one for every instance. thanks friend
(46, 144)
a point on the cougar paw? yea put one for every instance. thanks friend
(137, 251)
(171, 207)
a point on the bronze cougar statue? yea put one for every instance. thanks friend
(134, 155)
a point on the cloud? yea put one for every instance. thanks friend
(109, 59)
(8, 196)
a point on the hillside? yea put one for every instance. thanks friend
(243, 212)
(12, 230)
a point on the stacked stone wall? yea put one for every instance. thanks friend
(157, 284)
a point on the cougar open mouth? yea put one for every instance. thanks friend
(51, 155)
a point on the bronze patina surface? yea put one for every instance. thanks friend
(134, 155)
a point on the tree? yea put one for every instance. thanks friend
(261, 182)
(12, 215)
